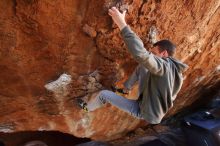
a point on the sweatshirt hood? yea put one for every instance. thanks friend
(182, 67)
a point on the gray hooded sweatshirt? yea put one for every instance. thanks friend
(160, 82)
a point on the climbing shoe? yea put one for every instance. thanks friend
(118, 90)
(82, 104)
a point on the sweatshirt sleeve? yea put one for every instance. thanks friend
(153, 63)
(129, 83)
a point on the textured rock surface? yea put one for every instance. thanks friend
(40, 40)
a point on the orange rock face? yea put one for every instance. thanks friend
(41, 40)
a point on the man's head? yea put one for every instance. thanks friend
(163, 48)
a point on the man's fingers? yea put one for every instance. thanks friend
(115, 10)
(110, 11)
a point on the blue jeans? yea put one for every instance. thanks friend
(105, 96)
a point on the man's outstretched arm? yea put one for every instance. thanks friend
(154, 64)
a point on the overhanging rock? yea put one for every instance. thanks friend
(40, 40)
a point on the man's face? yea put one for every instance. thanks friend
(156, 51)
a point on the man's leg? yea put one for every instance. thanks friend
(127, 105)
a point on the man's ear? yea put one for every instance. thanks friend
(165, 53)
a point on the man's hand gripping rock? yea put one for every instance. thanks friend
(118, 17)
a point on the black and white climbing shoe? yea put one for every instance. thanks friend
(119, 90)
(82, 104)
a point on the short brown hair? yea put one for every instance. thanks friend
(166, 45)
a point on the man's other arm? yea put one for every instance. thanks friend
(129, 83)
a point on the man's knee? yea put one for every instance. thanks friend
(105, 93)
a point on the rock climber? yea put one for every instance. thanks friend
(158, 74)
